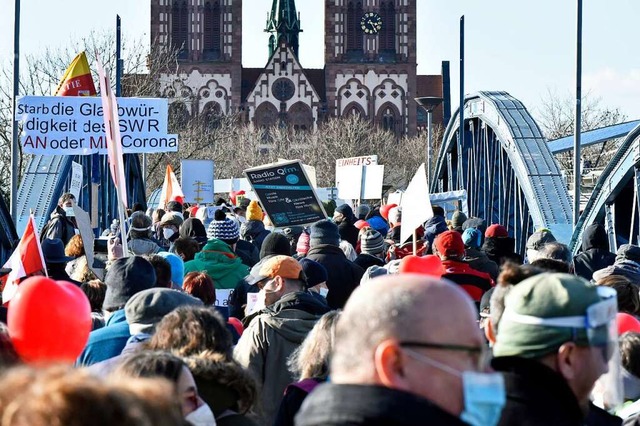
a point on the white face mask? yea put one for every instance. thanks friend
(68, 211)
(167, 233)
(202, 416)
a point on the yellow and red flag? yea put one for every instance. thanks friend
(77, 80)
(171, 190)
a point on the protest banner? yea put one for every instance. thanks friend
(197, 180)
(286, 194)
(74, 125)
(359, 178)
(416, 207)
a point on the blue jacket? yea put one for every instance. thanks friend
(106, 342)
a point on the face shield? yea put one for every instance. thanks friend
(599, 324)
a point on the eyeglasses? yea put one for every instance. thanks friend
(481, 354)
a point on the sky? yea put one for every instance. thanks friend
(526, 48)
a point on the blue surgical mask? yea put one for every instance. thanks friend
(484, 393)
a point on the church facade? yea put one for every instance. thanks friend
(370, 64)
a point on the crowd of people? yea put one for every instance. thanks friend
(336, 323)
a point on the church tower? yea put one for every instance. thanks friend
(370, 57)
(208, 34)
(283, 23)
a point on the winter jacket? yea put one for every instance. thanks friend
(270, 338)
(479, 261)
(142, 246)
(626, 268)
(539, 396)
(475, 283)
(365, 260)
(248, 253)
(348, 232)
(59, 226)
(254, 232)
(294, 396)
(433, 227)
(595, 253)
(228, 390)
(106, 342)
(501, 249)
(353, 405)
(395, 233)
(218, 260)
(344, 276)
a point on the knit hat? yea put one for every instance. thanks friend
(384, 210)
(254, 212)
(53, 251)
(628, 252)
(449, 243)
(475, 222)
(362, 211)
(275, 243)
(550, 297)
(302, 247)
(540, 238)
(140, 221)
(458, 218)
(395, 215)
(371, 242)
(125, 277)
(223, 228)
(148, 307)
(361, 224)
(346, 211)
(379, 224)
(496, 230)
(172, 218)
(177, 267)
(324, 232)
(174, 206)
(472, 237)
(315, 272)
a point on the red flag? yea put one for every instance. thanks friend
(26, 260)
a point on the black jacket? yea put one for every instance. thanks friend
(538, 396)
(344, 276)
(247, 252)
(479, 261)
(365, 260)
(348, 232)
(351, 405)
(59, 226)
(501, 249)
(595, 253)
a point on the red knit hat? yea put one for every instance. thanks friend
(496, 230)
(384, 210)
(449, 243)
(361, 224)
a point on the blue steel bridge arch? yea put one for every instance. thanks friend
(614, 201)
(510, 175)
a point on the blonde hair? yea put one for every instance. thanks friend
(311, 359)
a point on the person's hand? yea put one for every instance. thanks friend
(114, 248)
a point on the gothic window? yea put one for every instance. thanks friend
(388, 117)
(354, 109)
(211, 115)
(388, 31)
(300, 117)
(266, 115)
(178, 116)
(179, 28)
(212, 31)
(354, 33)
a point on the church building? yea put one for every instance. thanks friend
(370, 64)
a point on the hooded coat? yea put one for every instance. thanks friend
(270, 338)
(193, 227)
(595, 253)
(344, 275)
(254, 232)
(501, 249)
(218, 260)
(433, 227)
(59, 226)
(479, 261)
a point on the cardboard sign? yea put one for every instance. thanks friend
(359, 178)
(416, 206)
(223, 297)
(74, 125)
(286, 194)
(86, 233)
(76, 179)
(197, 180)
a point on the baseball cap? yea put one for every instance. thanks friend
(282, 266)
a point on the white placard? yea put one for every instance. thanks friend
(416, 206)
(73, 125)
(360, 182)
(197, 180)
(365, 160)
(76, 179)
(223, 297)
(372, 179)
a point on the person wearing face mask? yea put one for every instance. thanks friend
(407, 352)
(273, 333)
(556, 338)
(169, 226)
(62, 223)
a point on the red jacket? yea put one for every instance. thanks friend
(474, 282)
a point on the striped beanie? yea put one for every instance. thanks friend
(223, 228)
(371, 242)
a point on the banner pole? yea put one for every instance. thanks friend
(123, 228)
(415, 242)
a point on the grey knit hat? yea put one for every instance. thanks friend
(371, 242)
(324, 232)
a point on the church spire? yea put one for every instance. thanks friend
(283, 22)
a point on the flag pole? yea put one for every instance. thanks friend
(14, 127)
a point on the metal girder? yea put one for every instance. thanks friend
(613, 179)
(512, 176)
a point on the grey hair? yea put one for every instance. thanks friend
(311, 359)
(556, 251)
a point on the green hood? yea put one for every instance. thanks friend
(218, 260)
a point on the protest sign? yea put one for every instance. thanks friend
(76, 179)
(416, 207)
(223, 297)
(197, 180)
(86, 233)
(359, 178)
(74, 125)
(286, 194)
(365, 160)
